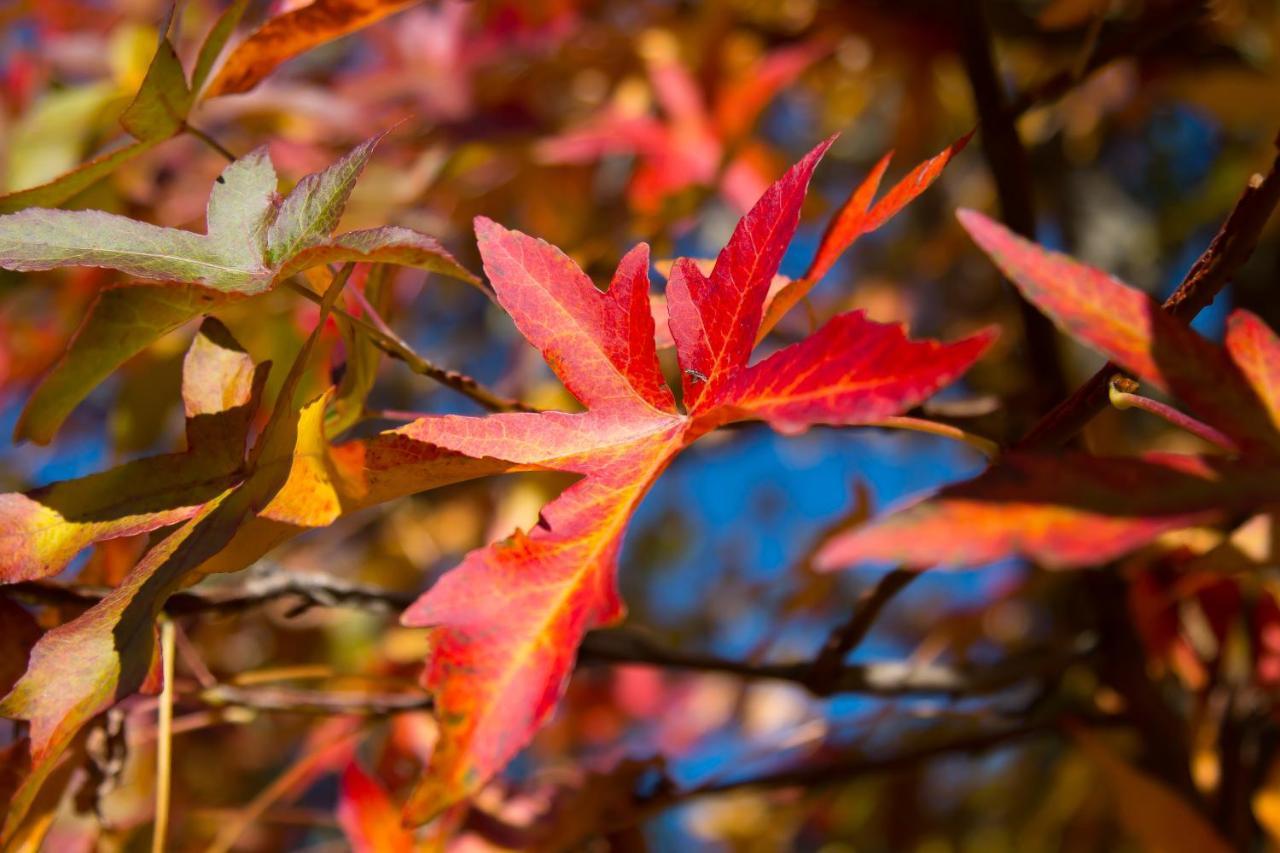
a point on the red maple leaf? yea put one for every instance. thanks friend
(508, 621)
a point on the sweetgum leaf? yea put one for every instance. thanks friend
(295, 32)
(121, 323)
(857, 217)
(76, 181)
(311, 211)
(41, 531)
(1061, 511)
(507, 623)
(1130, 329)
(82, 667)
(160, 108)
(253, 241)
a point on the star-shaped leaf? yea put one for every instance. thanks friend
(507, 622)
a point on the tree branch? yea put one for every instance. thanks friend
(1231, 248)
(394, 346)
(611, 646)
(1011, 169)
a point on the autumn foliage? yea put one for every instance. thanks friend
(303, 610)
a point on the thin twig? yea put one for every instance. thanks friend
(393, 346)
(1134, 41)
(1231, 248)
(164, 739)
(208, 140)
(313, 702)
(826, 667)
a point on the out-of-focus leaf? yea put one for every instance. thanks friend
(1156, 817)
(41, 531)
(1059, 511)
(370, 821)
(507, 623)
(160, 108)
(1129, 328)
(83, 666)
(214, 42)
(122, 322)
(295, 32)
(158, 111)
(253, 241)
(1255, 349)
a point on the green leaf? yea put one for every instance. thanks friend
(121, 323)
(229, 258)
(388, 245)
(73, 183)
(160, 108)
(311, 212)
(214, 42)
(253, 241)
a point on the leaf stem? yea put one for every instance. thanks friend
(1122, 398)
(1231, 247)
(392, 345)
(164, 738)
(208, 140)
(985, 446)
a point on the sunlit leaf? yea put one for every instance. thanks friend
(295, 32)
(507, 623)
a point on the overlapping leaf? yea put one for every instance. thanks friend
(507, 622)
(1078, 510)
(158, 111)
(294, 32)
(253, 240)
(686, 146)
(290, 481)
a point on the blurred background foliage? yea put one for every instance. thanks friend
(595, 124)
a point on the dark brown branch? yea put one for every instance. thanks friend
(1231, 248)
(613, 646)
(826, 668)
(1011, 169)
(1133, 41)
(395, 347)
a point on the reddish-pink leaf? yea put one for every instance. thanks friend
(714, 320)
(1129, 328)
(508, 621)
(367, 816)
(601, 345)
(852, 370)
(1255, 349)
(857, 217)
(1060, 512)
